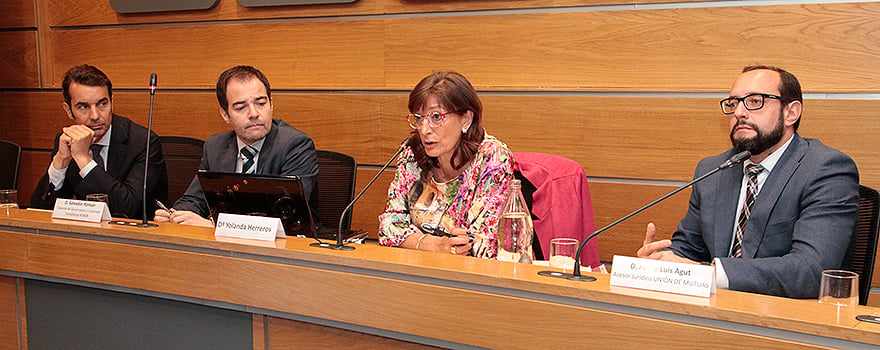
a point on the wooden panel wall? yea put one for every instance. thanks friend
(18, 14)
(628, 91)
(19, 59)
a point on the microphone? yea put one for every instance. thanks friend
(576, 274)
(339, 244)
(144, 223)
(152, 87)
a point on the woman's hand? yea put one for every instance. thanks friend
(459, 243)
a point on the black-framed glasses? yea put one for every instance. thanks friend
(435, 119)
(752, 102)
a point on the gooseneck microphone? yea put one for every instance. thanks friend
(576, 274)
(145, 223)
(339, 243)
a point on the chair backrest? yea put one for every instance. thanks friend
(561, 204)
(183, 156)
(336, 181)
(10, 162)
(863, 251)
(528, 192)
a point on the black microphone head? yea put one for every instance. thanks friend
(741, 156)
(735, 159)
(405, 142)
(152, 85)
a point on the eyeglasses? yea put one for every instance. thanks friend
(753, 102)
(435, 119)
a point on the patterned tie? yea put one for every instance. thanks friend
(96, 155)
(752, 191)
(248, 153)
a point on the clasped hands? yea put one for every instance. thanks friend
(74, 144)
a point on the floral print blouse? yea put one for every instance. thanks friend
(473, 200)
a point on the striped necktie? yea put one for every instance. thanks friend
(248, 153)
(751, 192)
(96, 155)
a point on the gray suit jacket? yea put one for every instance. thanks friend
(286, 151)
(801, 222)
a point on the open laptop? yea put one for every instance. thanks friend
(277, 196)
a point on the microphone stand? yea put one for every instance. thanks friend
(340, 245)
(145, 223)
(576, 274)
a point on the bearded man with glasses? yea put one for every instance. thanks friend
(772, 224)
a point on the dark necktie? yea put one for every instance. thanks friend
(751, 192)
(96, 155)
(249, 166)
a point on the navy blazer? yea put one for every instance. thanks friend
(286, 151)
(801, 223)
(123, 181)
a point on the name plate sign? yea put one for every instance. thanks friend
(72, 209)
(249, 227)
(663, 276)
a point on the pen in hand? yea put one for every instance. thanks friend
(163, 207)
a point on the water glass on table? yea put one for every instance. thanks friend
(8, 200)
(562, 253)
(839, 287)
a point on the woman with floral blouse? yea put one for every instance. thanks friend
(452, 179)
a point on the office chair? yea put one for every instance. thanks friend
(183, 157)
(336, 185)
(863, 250)
(10, 162)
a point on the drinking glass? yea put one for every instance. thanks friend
(562, 253)
(839, 287)
(8, 200)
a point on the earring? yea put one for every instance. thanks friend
(465, 129)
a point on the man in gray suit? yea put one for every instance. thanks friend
(257, 144)
(772, 224)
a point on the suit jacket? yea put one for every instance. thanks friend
(801, 223)
(286, 151)
(123, 181)
(561, 201)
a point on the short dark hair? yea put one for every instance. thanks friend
(456, 94)
(85, 75)
(241, 73)
(789, 87)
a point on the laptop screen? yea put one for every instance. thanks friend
(261, 195)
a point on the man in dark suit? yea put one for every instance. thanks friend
(797, 198)
(256, 144)
(101, 152)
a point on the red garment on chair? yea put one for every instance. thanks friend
(561, 202)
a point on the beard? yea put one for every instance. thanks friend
(762, 141)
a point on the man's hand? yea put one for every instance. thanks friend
(79, 139)
(654, 250)
(62, 158)
(187, 217)
(162, 215)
